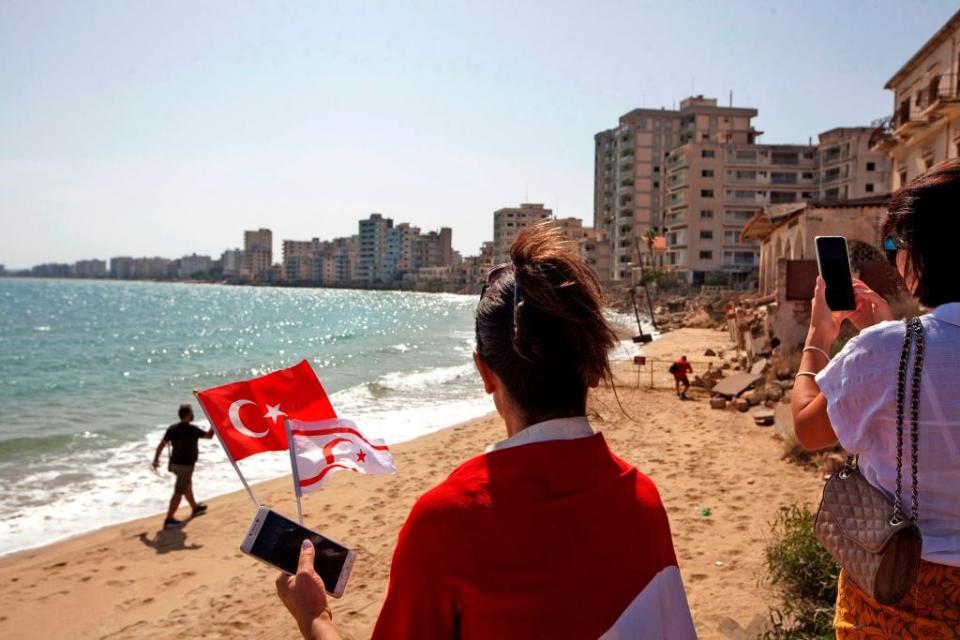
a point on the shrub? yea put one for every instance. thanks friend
(805, 574)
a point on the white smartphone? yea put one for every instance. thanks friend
(275, 540)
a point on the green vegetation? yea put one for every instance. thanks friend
(804, 573)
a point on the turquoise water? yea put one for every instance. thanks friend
(92, 372)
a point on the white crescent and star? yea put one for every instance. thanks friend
(273, 412)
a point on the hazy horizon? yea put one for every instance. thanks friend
(130, 128)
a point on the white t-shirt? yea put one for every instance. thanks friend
(860, 385)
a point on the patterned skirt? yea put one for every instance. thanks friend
(931, 610)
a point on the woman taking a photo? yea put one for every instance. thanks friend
(548, 534)
(853, 399)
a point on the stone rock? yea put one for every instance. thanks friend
(759, 366)
(725, 365)
(784, 372)
(774, 391)
(763, 417)
(710, 353)
(718, 403)
(786, 397)
(742, 405)
(755, 397)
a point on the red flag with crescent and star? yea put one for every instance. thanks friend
(249, 415)
(319, 449)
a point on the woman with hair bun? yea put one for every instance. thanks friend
(548, 534)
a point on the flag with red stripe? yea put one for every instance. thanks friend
(320, 449)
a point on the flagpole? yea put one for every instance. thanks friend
(293, 467)
(226, 449)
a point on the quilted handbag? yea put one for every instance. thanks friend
(870, 538)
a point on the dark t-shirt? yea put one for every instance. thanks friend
(184, 438)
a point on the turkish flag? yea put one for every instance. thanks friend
(249, 415)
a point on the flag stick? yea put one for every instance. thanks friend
(213, 425)
(293, 467)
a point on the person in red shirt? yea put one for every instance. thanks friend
(548, 533)
(680, 368)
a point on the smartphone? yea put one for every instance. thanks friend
(275, 540)
(834, 264)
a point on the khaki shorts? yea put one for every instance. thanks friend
(184, 473)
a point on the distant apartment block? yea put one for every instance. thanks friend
(698, 174)
(925, 126)
(847, 168)
(433, 249)
(121, 267)
(507, 222)
(193, 265)
(257, 255)
(372, 249)
(470, 272)
(231, 263)
(89, 269)
(595, 251)
(715, 188)
(630, 174)
(51, 270)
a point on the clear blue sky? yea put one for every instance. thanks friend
(164, 128)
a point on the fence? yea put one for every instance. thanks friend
(643, 364)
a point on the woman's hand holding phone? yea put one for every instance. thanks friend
(870, 309)
(305, 598)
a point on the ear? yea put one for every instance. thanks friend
(491, 382)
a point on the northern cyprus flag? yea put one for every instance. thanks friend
(318, 449)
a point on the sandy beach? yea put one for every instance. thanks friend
(136, 580)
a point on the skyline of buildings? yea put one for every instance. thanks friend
(672, 188)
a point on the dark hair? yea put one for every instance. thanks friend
(553, 346)
(923, 214)
(184, 411)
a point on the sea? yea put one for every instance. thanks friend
(92, 373)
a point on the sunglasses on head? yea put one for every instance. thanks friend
(891, 246)
(494, 274)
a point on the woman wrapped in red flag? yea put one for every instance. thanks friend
(548, 534)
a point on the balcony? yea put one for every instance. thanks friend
(942, 94)
(744, 156)
(743, 177)
(909, 117)
(744, 197)
(831, 176)
(784, 178)
(677, 161)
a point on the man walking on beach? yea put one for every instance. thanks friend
(680, 369)
(183, 436)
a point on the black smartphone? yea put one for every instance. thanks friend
(276, 541)
(834, 264)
